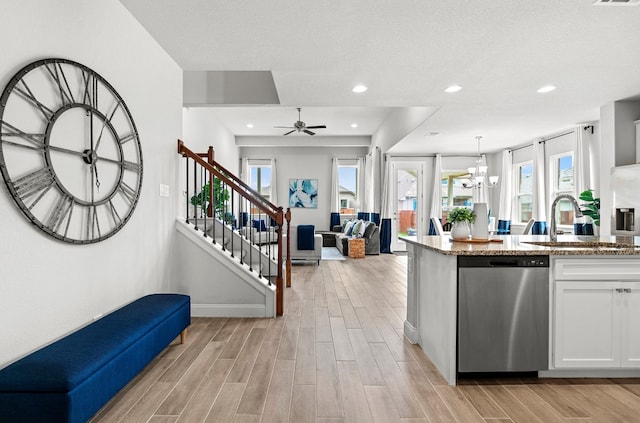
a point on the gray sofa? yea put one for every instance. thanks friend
(371, 240)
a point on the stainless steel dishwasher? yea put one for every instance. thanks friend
(503, 314)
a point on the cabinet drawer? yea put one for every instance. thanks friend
(590, 268)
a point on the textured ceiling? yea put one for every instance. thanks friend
(407, 53)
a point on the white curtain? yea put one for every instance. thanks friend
(436, 195)
(581, 181)
(274, 185)
(539, 193)
(335, 189)
(244, 169)
(368, 203)
(362, 185)
(386, 190)
(506, 191)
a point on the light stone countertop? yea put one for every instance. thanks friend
(518, 245)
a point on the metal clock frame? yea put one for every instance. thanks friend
(27, 190)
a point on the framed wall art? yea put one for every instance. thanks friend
(303, 193)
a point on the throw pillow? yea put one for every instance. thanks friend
(259, 225)
(369, 230)
(348, 227)
(357, 228)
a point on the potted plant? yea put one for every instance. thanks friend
(590, 207)
(221, 197)
(461, 217)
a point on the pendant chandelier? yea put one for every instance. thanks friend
(478, 173)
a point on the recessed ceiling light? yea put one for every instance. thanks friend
(359, 89)
(546, 89)
(354, 125)
(453, 89)
(249, 125)
(433, 134)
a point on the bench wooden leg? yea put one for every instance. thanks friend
(183, 336)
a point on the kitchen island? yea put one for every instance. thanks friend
(594, 300)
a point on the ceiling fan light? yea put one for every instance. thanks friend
(358, 89)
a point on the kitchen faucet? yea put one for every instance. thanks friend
(553, 235)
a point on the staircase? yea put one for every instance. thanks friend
(218, 236)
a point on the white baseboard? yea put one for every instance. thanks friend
(410, 332)
(228, 310)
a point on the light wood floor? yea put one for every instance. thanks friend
(337, 356)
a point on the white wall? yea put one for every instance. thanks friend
(47, 287)
(202, 129)
(307, 163)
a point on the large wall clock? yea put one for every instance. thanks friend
(70, 153)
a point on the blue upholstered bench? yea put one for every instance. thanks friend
(70, 379)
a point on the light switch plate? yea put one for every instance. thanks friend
(164, 190)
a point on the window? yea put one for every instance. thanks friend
(524, 191)
(561, 178)
(260, 179)
(453, 193)
(348, 174)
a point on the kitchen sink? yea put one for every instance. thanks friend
(583, 244)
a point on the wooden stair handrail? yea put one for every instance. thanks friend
(239, 186)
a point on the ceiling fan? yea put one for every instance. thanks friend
(301, 126)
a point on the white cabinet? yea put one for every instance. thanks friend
(596, 322)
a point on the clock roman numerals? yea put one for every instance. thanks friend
(36, 182)
(61, 212)
(127, 192)
(90, 95)
(56, 72)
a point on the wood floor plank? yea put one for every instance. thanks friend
(237, 339)
(367, 366)
(256, 390)
(428, 399)
(400, 394)
(328, 395)
(333, 304)
(349, 314)
(397, 344)
(278, 403)
(149, 403)
(486, 407)
(535, 404)
(206, 393)
(366, 321)
(514, 409)
(323, 327)
(597, 395)
(289, 339)
(305, 363)
(247, 357)
(303, 405)
(224, 408)
(341, 342)
(563, 406)
(382, 407)
(354, 399)
(182, 392)
(458, 404)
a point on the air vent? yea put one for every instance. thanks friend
(616, 2)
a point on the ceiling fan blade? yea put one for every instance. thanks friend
(309, 132)
(290, 127)
(317, 127)
(290, 132)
